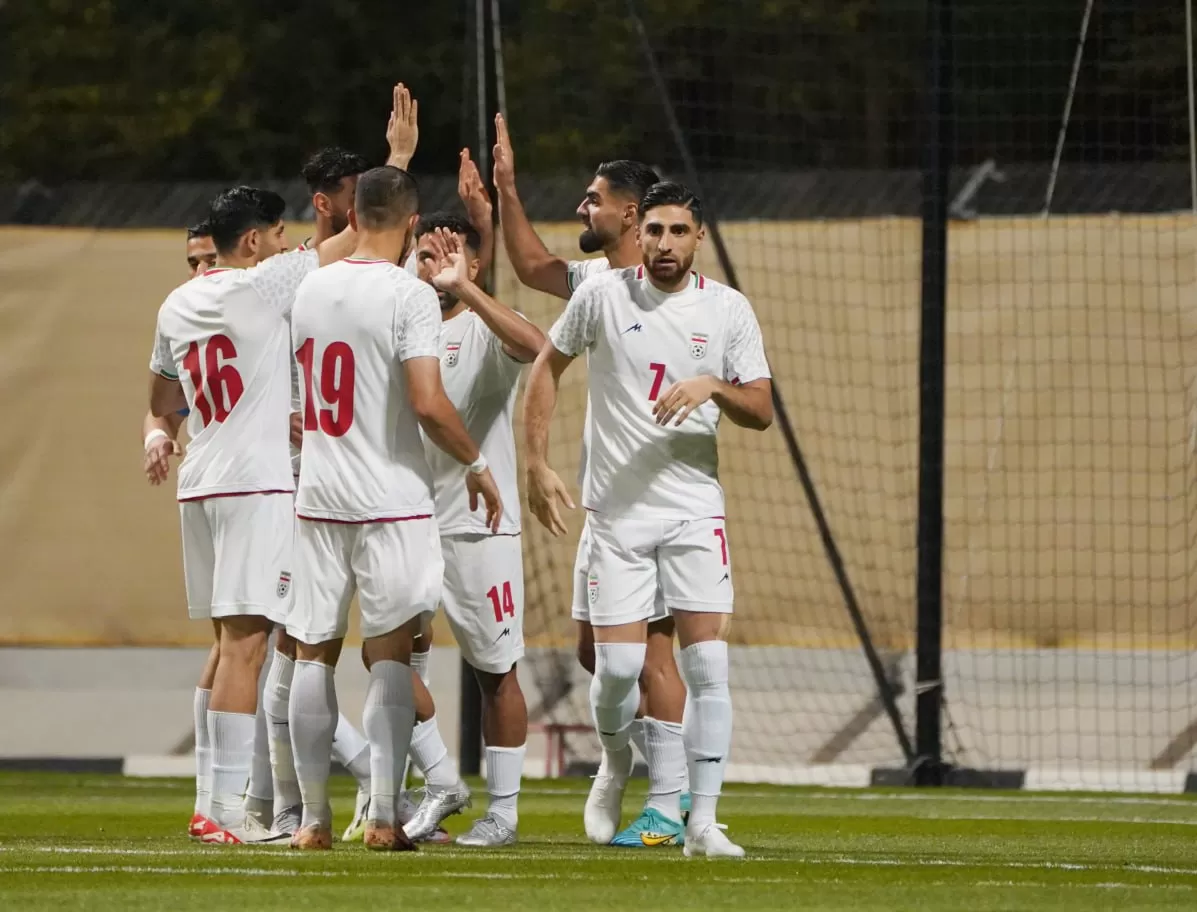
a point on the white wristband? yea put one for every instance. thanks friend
(478, 466)
(154, 435)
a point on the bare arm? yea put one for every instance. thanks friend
(750, 406)
(533, 263)
(337, 247)
(166, 396)
(168, 424)
(545, 488)
(161, 442)
(435, 412)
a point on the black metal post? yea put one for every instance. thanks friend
(929, 768)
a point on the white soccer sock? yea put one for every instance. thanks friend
(707, 727)
(504, 769)
(636, 733)
(203, 752)
(388, 719)
(312, 713)
(666, 758)
(259, 793)
(232, 736)
(276, 699)
(431, 757)
(615, 692)
(352, 750)
(419, 664)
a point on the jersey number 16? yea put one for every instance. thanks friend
(336, 387)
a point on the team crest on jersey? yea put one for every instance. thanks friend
(592, 588)
(284, 584)
(451, 352)
(698, 345)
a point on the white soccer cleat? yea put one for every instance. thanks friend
(288, 820)
(356, 831)
(709, 842)
(602, 813)
(436, 806)
(247, 832)
(487, 833)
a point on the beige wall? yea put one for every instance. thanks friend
(1070, 496)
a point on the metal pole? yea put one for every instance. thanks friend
(929, 767)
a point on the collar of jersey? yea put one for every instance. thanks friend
(358, 261)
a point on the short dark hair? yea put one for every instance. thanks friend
(239, 210)
(200, 229)
(385, 197)
(671, 193)
(630, 178)
(325, 170)
(453, 223)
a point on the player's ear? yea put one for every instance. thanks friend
(250, 242)
(352, 218)
(322, 204)
(474, 264)
(700, 236)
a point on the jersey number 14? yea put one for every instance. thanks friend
(336, 388)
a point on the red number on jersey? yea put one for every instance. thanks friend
(218, 386)
(722, 536)
(336, 387)
(506, 607)
(659, 371)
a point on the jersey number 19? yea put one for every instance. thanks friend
(336, 387)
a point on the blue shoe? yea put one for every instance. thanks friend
(649, 830)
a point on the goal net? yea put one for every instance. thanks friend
(1069, 625)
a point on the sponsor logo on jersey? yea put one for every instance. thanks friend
(726, 577)
(698, 345)
(451, 351)
(635, 327)
(284, 584)
(592, 587)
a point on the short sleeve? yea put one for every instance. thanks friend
(162, 362)
(578, 271)
(744, 359)
(417, 322)
(574, 331)
(277, 278)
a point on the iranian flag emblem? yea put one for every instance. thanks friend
(451, 351)
(698, 345)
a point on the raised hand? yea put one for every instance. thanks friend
(403, 131)
(472, 191)
(451, 269)
(503, 155)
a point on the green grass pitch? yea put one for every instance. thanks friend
(105, 842)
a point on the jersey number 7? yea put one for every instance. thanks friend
(336, 387)
(218, 386)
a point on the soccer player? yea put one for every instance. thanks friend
(365, 334)
(221, 351)
(483, 347)
(671, 351)
(609, 219)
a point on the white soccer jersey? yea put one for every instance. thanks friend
(354, 324)
(578, 271)
(225, 335)
(481, 380)
(641, 341)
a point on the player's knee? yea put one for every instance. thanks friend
(284, 643)
(617, 668)
(498, 686)
(705, 666)
(585, 655)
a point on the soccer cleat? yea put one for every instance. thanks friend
(649, 830)
(288, 820)
(260, 809)
(601, 814)
(312, 837)
(710, 842)
(487, 833)
(436, 806)
(247, 832)
(356, 830)
(386, 837)
(200, 825)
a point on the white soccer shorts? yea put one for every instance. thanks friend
(635, 563)
(484, 598)
(237, 555)
(394, 567)
(580, 610)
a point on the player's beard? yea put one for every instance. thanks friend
(340, 221)
(671, 272)
(589, 241)
(448, 301)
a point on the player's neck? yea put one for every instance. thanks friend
(324, 231)
(233, 261)
(625, 253)
(380, 245)
(456, 310)
(668, 287)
